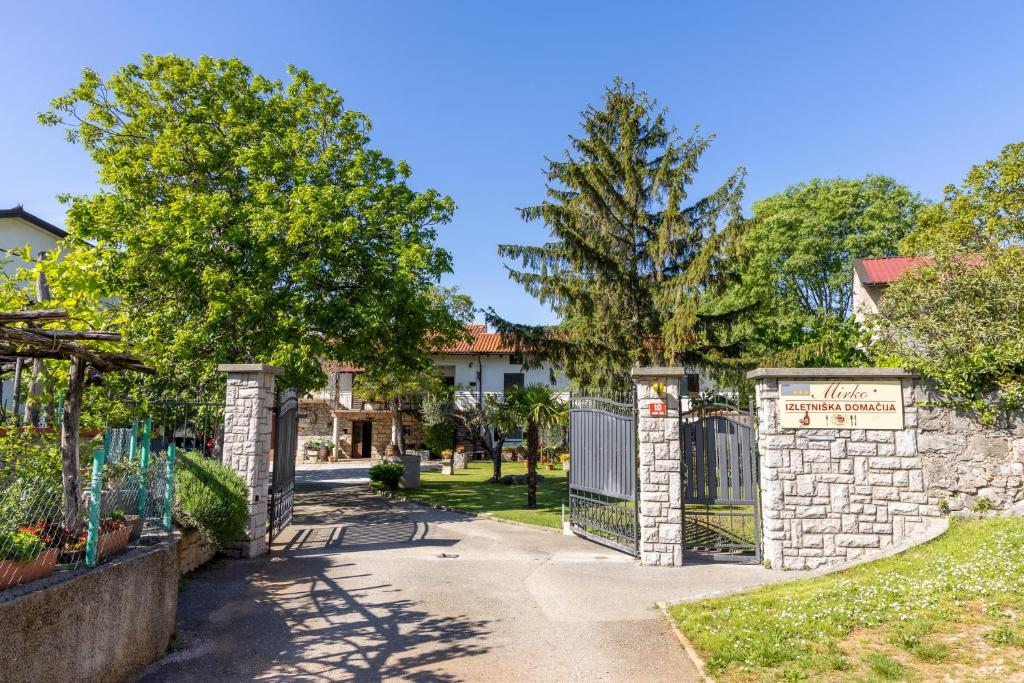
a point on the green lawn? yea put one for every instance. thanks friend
(471, 490)
(952, 609)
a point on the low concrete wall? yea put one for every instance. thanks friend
(193, 550)
(105, 624)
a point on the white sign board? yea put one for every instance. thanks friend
(866, 404)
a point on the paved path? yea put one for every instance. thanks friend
(363, 588)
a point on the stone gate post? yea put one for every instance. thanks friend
(661, 508)
(248, 415)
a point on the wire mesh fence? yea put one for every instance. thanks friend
(125, 500)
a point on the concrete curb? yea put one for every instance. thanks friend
(467, 513)
(691, 652)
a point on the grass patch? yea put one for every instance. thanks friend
(951, 609)
(471, 490)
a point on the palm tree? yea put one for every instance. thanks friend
(537, 407)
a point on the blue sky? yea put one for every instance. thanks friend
(474, 95)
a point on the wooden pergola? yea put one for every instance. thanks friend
(37, 343)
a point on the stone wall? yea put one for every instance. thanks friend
(661, 511)
(830, 496)
(316, 421)
(248, 418)
(193, 550)
(965, 462)
(103, 624)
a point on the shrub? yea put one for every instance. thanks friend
(387, 474)
(438, 437)
(210, 497)
(20, 546)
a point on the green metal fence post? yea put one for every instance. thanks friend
(144, 465)
(134, 442)
(93, 534)
(169, 488)
(108, 437)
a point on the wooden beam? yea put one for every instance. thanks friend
(37, 315)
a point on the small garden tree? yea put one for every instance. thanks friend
(486, 426)
(536, 407)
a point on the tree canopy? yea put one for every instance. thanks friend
(634, 262)
(797, 256)
(242, 219)
(986, 209)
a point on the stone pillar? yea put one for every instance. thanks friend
(661, 508)
(248, 415)
(336, 437)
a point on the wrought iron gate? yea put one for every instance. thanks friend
(282, 483)
(721, 507)
(603, 489)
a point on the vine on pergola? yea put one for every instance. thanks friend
(19, 343)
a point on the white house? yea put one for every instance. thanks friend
(19, 228)
(871, 276)
(478, 366)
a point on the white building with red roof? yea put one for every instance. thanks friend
(871, 276)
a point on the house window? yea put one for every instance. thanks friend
(514, 379)
(693, 384)
(515, 359)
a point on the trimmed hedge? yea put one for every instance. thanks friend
(210, 497)
(387, 474)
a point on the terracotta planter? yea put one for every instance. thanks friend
(135, 523)
(13, 572)
(322, 453)
(113, 542)
(549, 466)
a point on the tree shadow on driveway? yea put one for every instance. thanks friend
(308, 613)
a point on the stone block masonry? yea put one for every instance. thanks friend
(248, 419)
(830, 496)
(661, 507)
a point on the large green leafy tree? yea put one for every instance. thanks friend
(959, 318)
(798, 253)
(242, 219)
(634, 264)
(986, 210)
(398, 369)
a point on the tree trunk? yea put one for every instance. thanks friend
(35, 383)
(397, 428)
(16, 389)
(69, 444)
(496, 455)
(532, 448)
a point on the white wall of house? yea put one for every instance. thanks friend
(15, 233)
(865, 298)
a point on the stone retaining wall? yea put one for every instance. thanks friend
(193, 551)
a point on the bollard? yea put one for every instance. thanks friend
(169, 488)
(93, 533)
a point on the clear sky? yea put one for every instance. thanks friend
(474, 95)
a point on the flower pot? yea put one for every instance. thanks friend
(135, 523)
(13, 572)
(322, 453)
(113, 542)
(549, 466)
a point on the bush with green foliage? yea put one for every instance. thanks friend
(959, 321)
(439, 437)
(387, 474)
(210, 497)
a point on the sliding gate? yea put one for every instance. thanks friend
(721, 512)
(603, 487)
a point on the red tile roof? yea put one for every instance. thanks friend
(480, 341)
(882, 271)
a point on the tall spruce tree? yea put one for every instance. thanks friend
(636, 269)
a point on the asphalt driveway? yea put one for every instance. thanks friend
(364, 588)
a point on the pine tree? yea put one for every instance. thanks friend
(635, 270)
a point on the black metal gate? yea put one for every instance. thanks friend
(282, 483)
(603, 489)
(721, 507)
